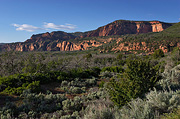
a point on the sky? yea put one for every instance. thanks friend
(20, 19)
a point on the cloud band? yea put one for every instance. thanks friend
(46, 26)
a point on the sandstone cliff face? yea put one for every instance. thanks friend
(55, 46)
(128, 27)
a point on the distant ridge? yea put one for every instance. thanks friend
(62, 41)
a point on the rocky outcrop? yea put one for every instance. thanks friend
(55, 46)
(126, 46)
(143, 46)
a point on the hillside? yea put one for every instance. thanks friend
(62, 41)
(148, 42)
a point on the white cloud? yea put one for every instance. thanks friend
(26, 27)
(46, 26)
(59, 27)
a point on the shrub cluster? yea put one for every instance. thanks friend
(16, 84)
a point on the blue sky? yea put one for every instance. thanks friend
(19, 19)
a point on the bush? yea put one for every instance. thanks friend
(70, 105)
(158, 53)
(80, 73)
(139, 77)
(163, 101)
(174, 115)
(75, 90)
(8, 111)
(91, 82)
(33, 105)
(119, 56)
(101, 85)
(16, 84)
(88, 56)
(34, 87)
(170, 79)
(64, 83)
(95, 71)
(175, 55)
(41, 102)
(137, 109)
(107, 74)
(97, 94)
(113, 69)
(99, 111)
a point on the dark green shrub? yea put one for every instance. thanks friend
(34, 87)
(95, 71)
(88, 56)
(16, 84)
(80, 73)
(107, 74)
(158, 53)
(119, 56)
(121, 62)
(173, 115)
(63, 76)
(139, 77)
(101, 85)
(175, 55)
(113, 69)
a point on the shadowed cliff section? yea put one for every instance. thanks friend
(62, 41)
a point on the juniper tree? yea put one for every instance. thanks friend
(138, 78)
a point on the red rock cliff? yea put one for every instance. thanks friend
(122, 27)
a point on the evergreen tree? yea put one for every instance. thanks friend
(139, 77)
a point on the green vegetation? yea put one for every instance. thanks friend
(75, 82)
(173, 115)
(89, 84)
(113, 69)
(158, 53)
